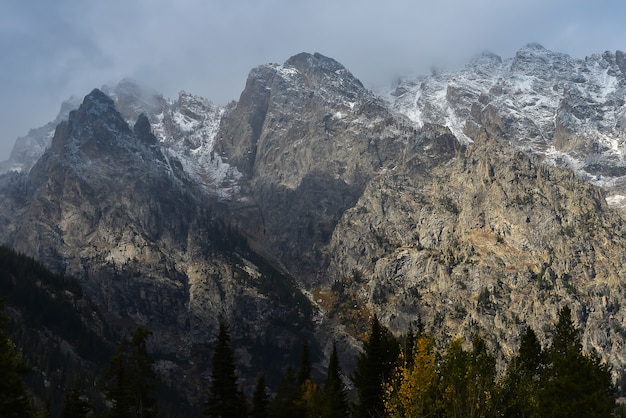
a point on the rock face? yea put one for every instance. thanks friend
(107, 204)
(489, 242)
(307, 137)
(470, 235)
(568, 111)
(311, 204)
(186, 126)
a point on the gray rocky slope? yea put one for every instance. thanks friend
(374, 215)
(340, 198)
(108, 205)
(570, 112)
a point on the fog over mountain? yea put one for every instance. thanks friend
(51, 51)
(480, 200)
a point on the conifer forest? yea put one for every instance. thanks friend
(410, 375)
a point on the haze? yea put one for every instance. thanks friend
(52, 50)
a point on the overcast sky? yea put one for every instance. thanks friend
(50, 50)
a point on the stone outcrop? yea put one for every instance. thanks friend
(311, 204)
(489, 242)
(107, 204)
(307, 137)
(568, 112)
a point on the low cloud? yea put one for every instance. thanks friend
(52, 50)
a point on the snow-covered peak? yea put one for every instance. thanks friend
(97, 103)
(569, 111)
(486, 59)
(185, 127)
(133, 98)
(323, 75)
(305, 61)
(533, 48)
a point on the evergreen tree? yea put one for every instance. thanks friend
(454, 374)
(285, 403)
(566, 336)
(304, 372)
(482, 383)
(530, 360)
(334, 403)
(574, 384)
(260, 400)
(297, 394)
(74, 406)
(14, 401)
(408, 346)
(129, 378)
(225, 400)
(373, 366)
(521, 383)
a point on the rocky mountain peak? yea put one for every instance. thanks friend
(570, 112)
(307, 62)
(486, 59)
(430, 206)
(192, 106)
(533, 47)
(94, 127)
(143, 131)
(535, 60)
(325, 72)
(67, 106)
(29, 148)
(325, 94)
(620, 59)
(97, 103)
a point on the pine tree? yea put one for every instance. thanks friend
(574, 383)
(521, 383)
(408, 346)
(129, 378)
(14, 401)
(74, 405)
(374, 365)
(482, 386)
(285, 403)
(566, 336)
(304, 372)
(260, 400)
(225, 400)
(334, 403)
(454, 374)
(530, 360)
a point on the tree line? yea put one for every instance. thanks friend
(409, 376)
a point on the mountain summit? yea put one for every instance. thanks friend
(569, 112)
(474, 201)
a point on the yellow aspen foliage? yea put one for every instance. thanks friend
(310, 394)
(413, 393)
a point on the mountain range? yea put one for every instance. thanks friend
(475, 200)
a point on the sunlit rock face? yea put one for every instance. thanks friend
(311, 204)
(112, 206)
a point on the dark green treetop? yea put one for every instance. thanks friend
(225, 399)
